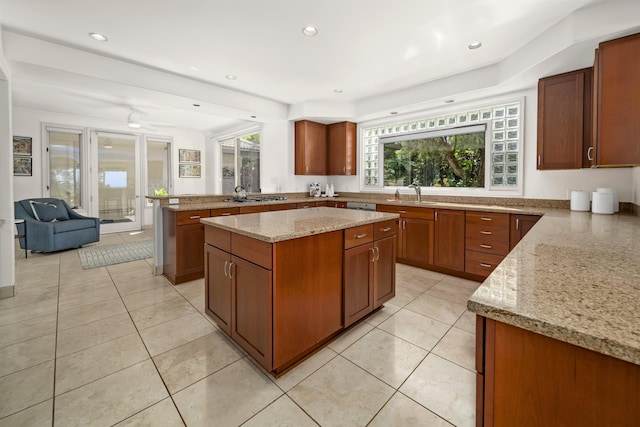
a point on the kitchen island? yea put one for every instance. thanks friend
(283, 283)
(558, 326)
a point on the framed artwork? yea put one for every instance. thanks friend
(188, 156)
(22, 166)
(22, 146)
(187, 170)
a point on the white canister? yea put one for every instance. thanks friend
(602, 203)
(616, 199)
(580, 201)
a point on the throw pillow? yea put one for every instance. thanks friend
(48, 211)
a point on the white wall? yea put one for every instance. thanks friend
(29, 123)
(7, 248)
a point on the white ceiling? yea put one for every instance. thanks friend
(182, 51)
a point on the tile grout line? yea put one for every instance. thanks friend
(55, 351)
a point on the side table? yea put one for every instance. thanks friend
(24, 234)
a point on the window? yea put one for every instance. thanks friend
(478, 148)
(64, 180)
(451, 158)
(158, 161)
(240, 162)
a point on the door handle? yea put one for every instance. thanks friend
(590, 153)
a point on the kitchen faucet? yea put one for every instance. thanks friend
(418, 193)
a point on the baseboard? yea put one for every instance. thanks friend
(7, 291)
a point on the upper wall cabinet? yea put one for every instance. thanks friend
(564, 120)
(342, 149)
(311, 148)
(325, 149)
(616, 125)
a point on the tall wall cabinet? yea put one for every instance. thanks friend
(325, 149)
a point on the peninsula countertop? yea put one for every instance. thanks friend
(277, 226)
(576, 278)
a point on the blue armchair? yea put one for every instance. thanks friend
(53, 226)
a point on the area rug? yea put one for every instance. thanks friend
(99, 256)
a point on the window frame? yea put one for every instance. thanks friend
(489, 190)
(235, 135)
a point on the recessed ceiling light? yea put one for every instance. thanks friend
(449, 101)
(310, 31)
(337, 90)
(196, 105)
(475, 45)
(393, 112)
(253, 117)
(98, 36)
(230, 77)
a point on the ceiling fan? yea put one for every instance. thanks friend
(135, 121)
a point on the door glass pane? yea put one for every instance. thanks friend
(157, 167)
(116, 179)
(64, 167)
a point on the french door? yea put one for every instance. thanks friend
(116, 181)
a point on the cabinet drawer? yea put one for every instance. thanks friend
(217, 237)
(304, 205)
(480, 263)
(487, 232)
(356, 236)
(408, 211)
(253, 209)
(384, 229)
(255, 251)
(478, 244)
(283, 206)
(488, 218)
(224, 211)
(191, 217)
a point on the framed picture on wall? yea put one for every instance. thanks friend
(188, 156)
(187, 170)
(22, 146)
(22, 166)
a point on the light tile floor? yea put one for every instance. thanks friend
(118, 346)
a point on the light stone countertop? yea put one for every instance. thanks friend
(574, 277)
(277, 226)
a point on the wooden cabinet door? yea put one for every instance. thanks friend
(417, 240)
(310, 148)
(218, 287)
(358, 290)
(252, 307)
(341, 154)
(449, 239)
(384, 271)
(564, 120)
(618, 102)
(190, 255)
(520, 225)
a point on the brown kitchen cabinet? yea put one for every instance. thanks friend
(305, 205)
(277, 310)
(564, 120)
(486, 241)
(415, 234)
(527, 379)
(449, 239)
(341, 145)
(519, 226)
(369, 269)
(310, 148)
(183, 258)
(616, 127)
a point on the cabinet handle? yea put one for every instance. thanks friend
(486, 246)
(230, 265)
(590, 153)
(488, 233)
(404, 225)
(225, 268)
(361, 236)
(344, 169)
(484, 218)
(402, 212)
(377, 253)
(373, 255)
(482, 264)
(538, 160)
(194, 217)
(306, 169)
(226, 213)
(386, 229)
(436, 217)
(517, 223)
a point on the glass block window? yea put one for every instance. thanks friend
(502, 145)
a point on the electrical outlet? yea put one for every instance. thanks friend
(174, 201)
